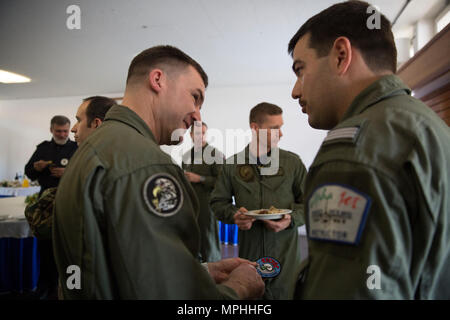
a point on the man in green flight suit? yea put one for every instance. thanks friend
(376, 200)
(125, 219)
(201, 166)
(261, 176)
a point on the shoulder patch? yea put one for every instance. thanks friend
(349, 134)
(337, 213)
(163, 194)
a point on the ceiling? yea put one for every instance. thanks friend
(238, 42)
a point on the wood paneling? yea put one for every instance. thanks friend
(428, 74)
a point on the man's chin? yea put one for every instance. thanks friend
(176, 143)
(61, 142)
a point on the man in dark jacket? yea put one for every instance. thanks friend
(48, 162)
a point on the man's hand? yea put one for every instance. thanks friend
(40, 165)
(243, 221)
(246, 282)
(192, 177)
(56, 172)
(220, 270)
(278, 225)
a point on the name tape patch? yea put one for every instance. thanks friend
(268, 267)
(163, 194)
(337, 213)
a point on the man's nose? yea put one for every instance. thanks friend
(74, 128)
(197, 116)
(297, 90)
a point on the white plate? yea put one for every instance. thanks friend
(273, 216)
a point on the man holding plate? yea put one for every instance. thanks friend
(260, 177)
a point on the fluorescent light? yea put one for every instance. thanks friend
(10, 77)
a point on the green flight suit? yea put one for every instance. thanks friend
(377, 203)
(127, 217)
(208, 224)
(254, 191)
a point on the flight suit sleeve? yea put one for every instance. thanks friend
(221, 197)
(153, 238)
(298, 211)
(360, 244)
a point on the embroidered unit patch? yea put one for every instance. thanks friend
(163, 194)
(268, 267)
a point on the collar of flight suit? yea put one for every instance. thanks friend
(130, 118)
(386, 86)
(203, 148)
(255, 160)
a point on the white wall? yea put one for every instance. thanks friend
(26, 123)
(229, 108)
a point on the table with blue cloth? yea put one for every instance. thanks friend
(19, 258)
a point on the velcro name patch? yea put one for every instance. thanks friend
(337, 213)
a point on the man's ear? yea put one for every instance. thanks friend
(254, 126)
(341, 54)
(96, 123)
(155, 79)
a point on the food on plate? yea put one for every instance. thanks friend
(271, 210)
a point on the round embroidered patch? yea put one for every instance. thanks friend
(268, 267)
(163, 194)
(64, 162)
(246, 173)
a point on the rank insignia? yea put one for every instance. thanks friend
(246, 173)
(268, 267)
(163, 194)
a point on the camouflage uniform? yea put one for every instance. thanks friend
(40, 214)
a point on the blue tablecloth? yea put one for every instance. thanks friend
(19, 257)
(19, 264)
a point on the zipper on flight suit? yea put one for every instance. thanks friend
(261, 207)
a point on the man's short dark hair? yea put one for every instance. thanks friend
(59, 121)
(261, 110)
(97, 108)
(162, 57)
(349, 19)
